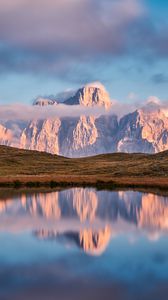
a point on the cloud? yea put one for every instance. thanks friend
(62, 96)
(28, 112)
(154, 100)
(152, 103)
(132, 96)
(160, 78)
(22, 112)
(96, 84)
(76, 39)
(67, 25)
(53, 36)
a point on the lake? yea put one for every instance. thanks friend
(83, 244)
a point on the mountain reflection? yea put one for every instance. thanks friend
(91, 241)
(85, 217)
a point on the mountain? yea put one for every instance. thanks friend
(41, 135)
(71, 137)
(74, 136)
(5, 135)
(141, 131)
(145, 130)
(91, 95)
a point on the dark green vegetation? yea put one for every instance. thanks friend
(32, 168)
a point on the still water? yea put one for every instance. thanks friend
(83, 244)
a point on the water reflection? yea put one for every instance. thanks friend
(83, 244)
(86, 217)
(92, 241)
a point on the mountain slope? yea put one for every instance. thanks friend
(141, 131)
(145, 130)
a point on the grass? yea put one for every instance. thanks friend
(35, 169)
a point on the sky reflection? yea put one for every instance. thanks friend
(91, 243)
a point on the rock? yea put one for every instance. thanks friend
(145, 130)
(91, 95)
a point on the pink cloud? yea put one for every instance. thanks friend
(85, 24)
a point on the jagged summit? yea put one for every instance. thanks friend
(90, 95)
(144, 130)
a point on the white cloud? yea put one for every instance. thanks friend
(29, 112)
(132, 96)
(154, 100)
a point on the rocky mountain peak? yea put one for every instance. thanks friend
(91, 95)
(144, 130)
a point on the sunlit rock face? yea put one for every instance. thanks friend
(42, 136)
(74, 136)
(10, 132)
(5, 136)
(87, 135)
(71, 137)
(155, 129)
(91, 95)
(145, 130)
(80, 137)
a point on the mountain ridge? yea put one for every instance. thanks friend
(144, 130)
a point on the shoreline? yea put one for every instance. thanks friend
(160, 183)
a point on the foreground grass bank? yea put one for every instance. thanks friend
(35, 169)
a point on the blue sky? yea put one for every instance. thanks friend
(50, 46)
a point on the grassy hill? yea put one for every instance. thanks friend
(28, 167)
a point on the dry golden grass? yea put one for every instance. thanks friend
(23, 167)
